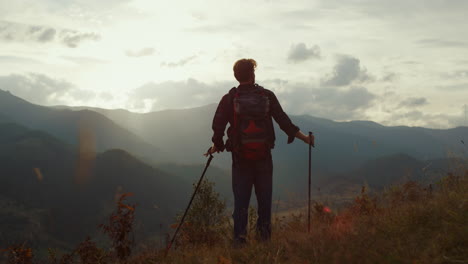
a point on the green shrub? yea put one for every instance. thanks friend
(206, 221)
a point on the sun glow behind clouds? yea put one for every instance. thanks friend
(145, 41)
(179, 53)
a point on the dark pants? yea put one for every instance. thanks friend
(245, 175)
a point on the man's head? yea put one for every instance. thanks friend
(244, 70)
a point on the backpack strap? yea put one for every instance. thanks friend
(234, 108)
(233, 93)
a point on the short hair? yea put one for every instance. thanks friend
(244, 68)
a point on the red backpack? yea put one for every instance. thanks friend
(251, 117)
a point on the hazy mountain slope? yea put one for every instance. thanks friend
(73, 126)
(73, 192)
(389, 170)
(340, 146)
(344, 146)
(177, 129)
(392, 170)
(4, 119)
(192, 173)
(69, 193)
(185, 134)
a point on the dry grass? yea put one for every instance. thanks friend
(405, 224)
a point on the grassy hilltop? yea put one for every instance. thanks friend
(408, 223)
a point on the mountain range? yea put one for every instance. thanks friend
(75, 191)
(73, 126)
(184, 134)
(61, 167)
(180, 136)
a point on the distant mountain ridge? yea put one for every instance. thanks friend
(61, 167)
(73, 126)
(181, 136)
(74, 192)
(184, 134)
(342, 148)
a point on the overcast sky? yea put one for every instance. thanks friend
(395, 62)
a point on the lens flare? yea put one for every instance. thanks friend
(86, 152)
(38, 173)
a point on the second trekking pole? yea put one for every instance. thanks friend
(189, 204)
(310, 180)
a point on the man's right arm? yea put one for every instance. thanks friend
(220, 120)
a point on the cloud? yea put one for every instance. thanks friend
(389, 77)
(47, 35)
(21, 33)
(461, 74)
(398, 8)
(72, 38)
(335, 103)
(442, 43)
(347, 70)
(411, 62)
(342, 104)
(140, 53)
(43, 90)
(301, 14)
(418, 118)
(18, 60)
(84, 60)
(299, 53)
(179, 63)
(177, 94)
(106, 96)
(99, 5)
(396, 110)
(453, 87)
(198, 15)
(227, 28)
(413, 102)
(357, 103)
(16, 32)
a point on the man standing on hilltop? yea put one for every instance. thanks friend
(249, 109)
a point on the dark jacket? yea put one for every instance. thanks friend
(225, 114)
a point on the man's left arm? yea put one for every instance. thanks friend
(285, 122)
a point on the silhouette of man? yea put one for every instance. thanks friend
(249, 109)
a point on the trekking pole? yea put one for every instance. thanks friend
(310, 162)
(189, 204)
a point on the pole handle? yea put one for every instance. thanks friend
(310, 139)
